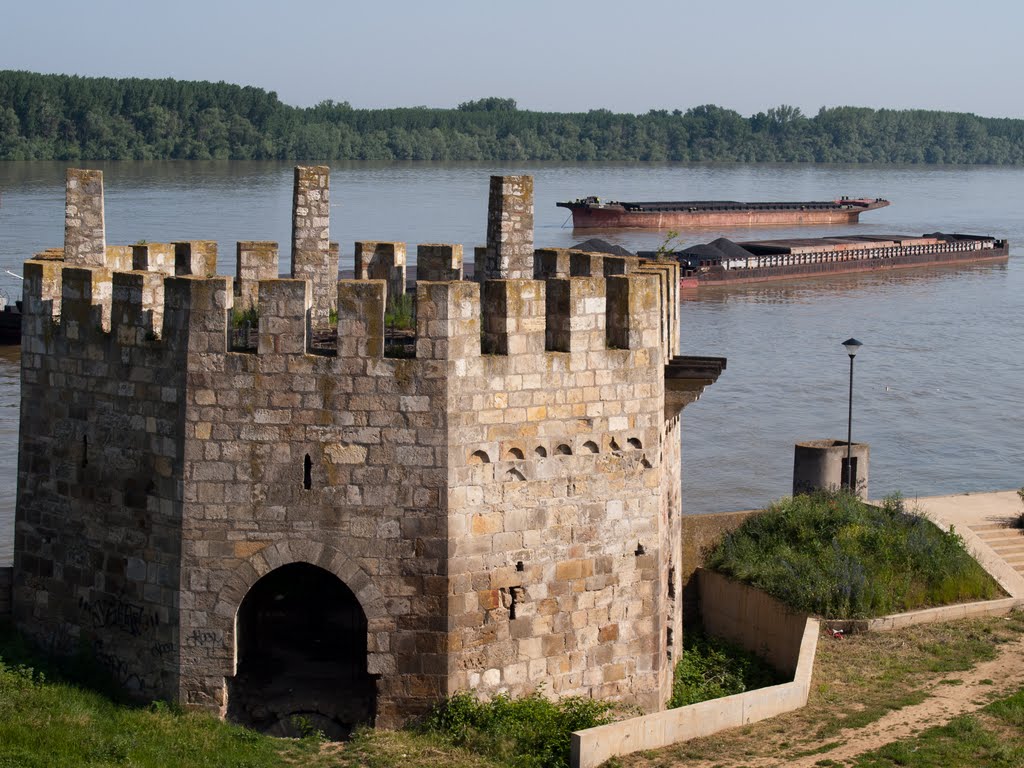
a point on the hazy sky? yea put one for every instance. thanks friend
(548, 55)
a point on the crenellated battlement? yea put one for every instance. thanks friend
(510, 317)
(576, 302)
(473, 488)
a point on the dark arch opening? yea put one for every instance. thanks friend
(307, 473)
(301, 639)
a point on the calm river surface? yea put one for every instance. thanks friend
(939, 383)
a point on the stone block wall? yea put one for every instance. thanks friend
(84, 227)
(195, 257)
(556, 503)
(509, 252)
(312, 256)
(438, 262)
(255, 260)
(154, 257)
(369, 434)
(98, 529)
(376, 260)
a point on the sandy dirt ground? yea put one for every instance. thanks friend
(999, 677)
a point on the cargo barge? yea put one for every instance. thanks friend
(723, 262)
(590, 212)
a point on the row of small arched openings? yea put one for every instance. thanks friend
(562, 449)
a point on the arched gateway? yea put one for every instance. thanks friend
(301, 645)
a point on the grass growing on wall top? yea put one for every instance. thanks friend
(401, 313)
(830, 554)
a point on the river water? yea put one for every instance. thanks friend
(938, 385)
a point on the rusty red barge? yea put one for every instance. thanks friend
(590, 212)
(723, 262)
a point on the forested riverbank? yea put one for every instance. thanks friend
(70, 118)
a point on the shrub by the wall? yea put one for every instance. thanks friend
(529, 732)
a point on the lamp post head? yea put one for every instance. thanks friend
(852, 347)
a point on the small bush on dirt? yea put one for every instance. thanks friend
(529, 732)
(830, 554)
(711, 668)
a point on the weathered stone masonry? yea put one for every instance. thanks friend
(498, 512)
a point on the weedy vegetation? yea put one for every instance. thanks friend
(400, 314)
(710, 668)
(245, 318)
(528, 732)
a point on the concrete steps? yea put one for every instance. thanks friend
(1007, 542)
(999, 532)
(982, 526)
(1007, 545)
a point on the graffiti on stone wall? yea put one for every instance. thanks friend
(120, 670)
(117, 613)
(162, 649)
(200, 638)
(59, 641)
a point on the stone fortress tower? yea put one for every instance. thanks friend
(294, 521)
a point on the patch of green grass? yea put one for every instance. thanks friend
(47, 720)
(386, 749)
(528, 732)
(830, 554)
(963, 741)
(400, 313)
(1010, 710)
(867, 714)
(711, 668)
(816, 751)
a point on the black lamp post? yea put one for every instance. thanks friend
(852, 347)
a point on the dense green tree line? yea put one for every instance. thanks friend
(60, 117)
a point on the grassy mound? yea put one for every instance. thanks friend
(830, 554)
(711, 668)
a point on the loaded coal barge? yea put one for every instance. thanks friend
(590, 212)
(723, 262)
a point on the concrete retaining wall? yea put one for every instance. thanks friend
(700, 533)
(6, 580)
(596, 745)
(930, 615)
(751, 619)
